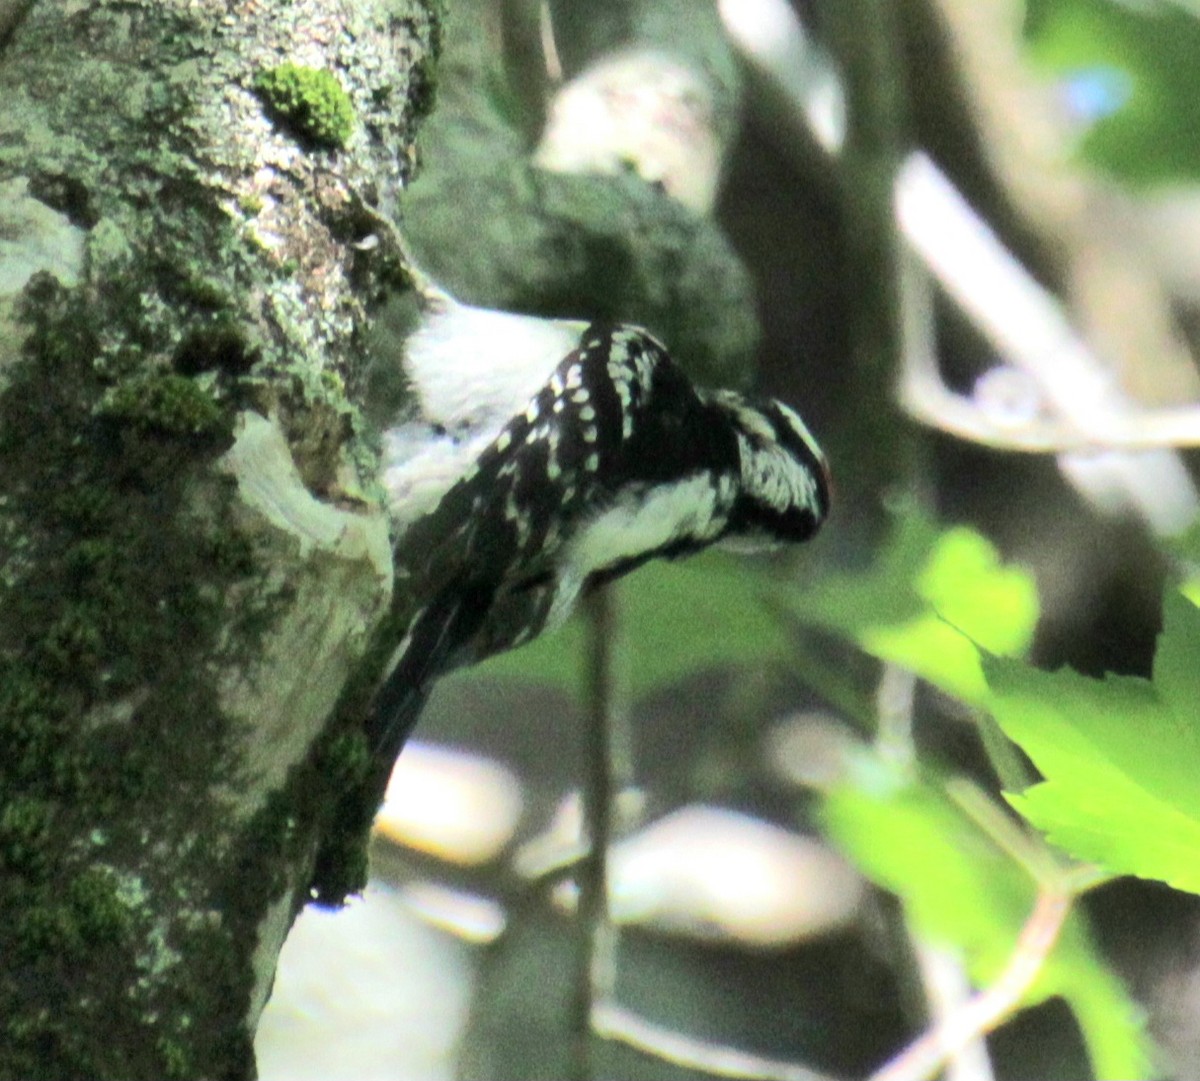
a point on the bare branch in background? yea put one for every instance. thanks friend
(798, 78)
(596, 976)
(987, 1010)
(1081, 220)
(1069, 384)
(947, 989)
(1009, 409)
(941, 974)
(624, 1026)
(864, 38)
(894, 711)
(1068, 400)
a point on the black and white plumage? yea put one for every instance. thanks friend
(611, 458)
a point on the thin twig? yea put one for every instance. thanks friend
(1024, 323)
(1026, 850)
(1076, 403)
(983, 1013)
(894, 699)
(895, 702)
(597, 936)
(944, 979)
(623, 1026)
(1023, 320)
(930, 402)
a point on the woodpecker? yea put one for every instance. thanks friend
(549, 457)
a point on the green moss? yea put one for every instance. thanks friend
(217, 344)
(177, 1063)
(190, 285)
(46, 930)
(88, 914)
(100, 914)
(164, 402)
(127, 555)
(76, 638)
(343, 867)
(251, 205)
(356, 779)
(109, 250)
(28, 711)
(281, 831)
(344, 760)
(309, 101)
(25, 825)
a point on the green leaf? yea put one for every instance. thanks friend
(1185, 547)
(676, 618)
(926, 603)
(1152, 50)
(1120, 756)
(961, 890)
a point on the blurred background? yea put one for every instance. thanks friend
(962, 237)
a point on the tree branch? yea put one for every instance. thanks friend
(190, 574)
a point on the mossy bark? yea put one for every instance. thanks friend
(193, 578)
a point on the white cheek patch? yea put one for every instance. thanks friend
(567, 587)
(799, 427)
(772, 476)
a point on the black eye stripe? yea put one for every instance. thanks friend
(800, 444)
(792, 439)
(782, 425)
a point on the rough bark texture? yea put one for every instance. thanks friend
(193, 580)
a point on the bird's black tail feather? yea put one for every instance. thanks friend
(434, 646)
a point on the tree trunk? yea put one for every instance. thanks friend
(195, 579)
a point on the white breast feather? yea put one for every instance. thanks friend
(420, 466)
(636, 523)
(477, 368)
(472, 369)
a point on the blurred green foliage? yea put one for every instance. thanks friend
(1131, 74)
(930, 599)
(960, 889)
(1118, 756)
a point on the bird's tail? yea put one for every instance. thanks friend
(432, 647)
